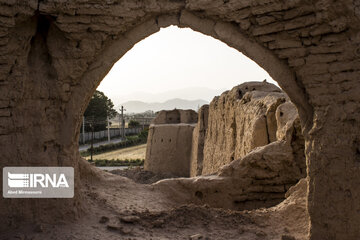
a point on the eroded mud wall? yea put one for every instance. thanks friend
(169, 143)
(239, 121)
(310, 47)
(198, 142)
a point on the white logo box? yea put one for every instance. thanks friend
(38, 182)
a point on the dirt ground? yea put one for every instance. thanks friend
(135, 152)
(139, 175)
(118, 208)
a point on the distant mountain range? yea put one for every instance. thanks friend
(190, 93)
(139, 106)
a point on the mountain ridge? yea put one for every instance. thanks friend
(190, 93)
(136, 106)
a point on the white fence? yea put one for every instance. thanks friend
(114, 132)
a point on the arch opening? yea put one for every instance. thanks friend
(271, 193)
(225, 32)
(224, 64)
(268, 133)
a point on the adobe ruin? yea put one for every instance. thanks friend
(168, 149)
(55, 53)
(247, 149)
(238, 121)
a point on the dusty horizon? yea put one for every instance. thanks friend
(174, 59)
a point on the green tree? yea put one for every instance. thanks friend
(133, 124)
(99, 108)
(144, 134)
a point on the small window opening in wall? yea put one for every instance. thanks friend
(237, 202)
(357, 151)
(199, 194)
(240, 94)
(281, 114)
(170, 140)
(357, 157)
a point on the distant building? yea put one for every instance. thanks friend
(143, 121)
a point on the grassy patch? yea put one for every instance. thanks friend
(118, 162)
(103, 139)
(134, 152)
(130, 141)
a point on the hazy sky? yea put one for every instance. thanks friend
(178, 58)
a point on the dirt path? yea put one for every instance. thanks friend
(135, 152)
(118, 208)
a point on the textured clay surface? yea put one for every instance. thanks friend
(239, 121)
(53, 55)
(168, 149)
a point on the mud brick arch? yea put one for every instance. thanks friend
(54, 53)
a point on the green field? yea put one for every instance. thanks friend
(135, 152)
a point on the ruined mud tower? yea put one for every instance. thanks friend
(169, 142)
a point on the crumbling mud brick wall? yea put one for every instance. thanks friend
(55, 53)
(175, 116)
(262, 175)
(198, 142)
(239, 121)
